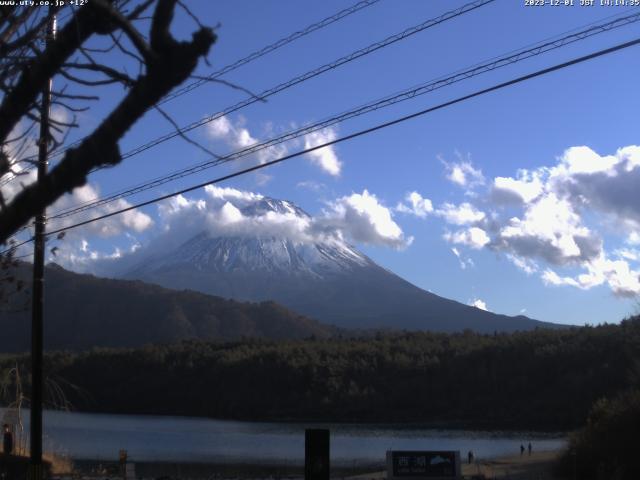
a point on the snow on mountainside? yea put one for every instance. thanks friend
(319, 275)
(265, 254)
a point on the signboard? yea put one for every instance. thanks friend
(406, 465)
(130, 472)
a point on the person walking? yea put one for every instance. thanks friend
(521, 449)
(7, 440)
(530, 448)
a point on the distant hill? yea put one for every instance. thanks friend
(328, 280)
(83, 311)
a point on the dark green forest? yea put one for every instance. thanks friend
(122, 313)
(542, 379)
(606, 447)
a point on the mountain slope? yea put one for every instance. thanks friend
(329, 280)
(83, 311)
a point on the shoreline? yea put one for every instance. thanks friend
(454, 425)
(400, 423)
(537, 465)
(512, 466)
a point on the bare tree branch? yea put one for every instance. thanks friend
(167, 63)
(125, 25)
(231, 85)
(43, 67)
(112, 73)
(183, 135)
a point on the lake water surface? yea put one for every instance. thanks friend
(183, 439)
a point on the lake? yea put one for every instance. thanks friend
(184, 439)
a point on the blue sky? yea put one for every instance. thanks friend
(521, 198)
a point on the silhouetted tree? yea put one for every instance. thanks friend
(27, 63)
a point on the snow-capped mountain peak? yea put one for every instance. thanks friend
(271, 249)
(273, 253)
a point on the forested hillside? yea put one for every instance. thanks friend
(83, 311)
(544, 379)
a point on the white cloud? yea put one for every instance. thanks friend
(527, 265)
(552, 230)
(463, 173)
(239, 137)
(479, 304)
(554, 219)
(311, 185)
(633, 238)
(220, 128)
(473, 237)
(418, 206)
(617, 274)
(78, 254)
(583, 160)
(525, 188)
(623, 280)
(559, 217)
(552, 278)
(13, 185)
(132, 220)
(464, 262)
(74, 250)
(60, 114)
(227, 212)
(230, 214)
(462, 214)
(231, 194)
(326, 158)
(606, 185)
(235, 134)
(15, 151)
(628, 254)
(365, 220)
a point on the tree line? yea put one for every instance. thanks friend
(541, 379)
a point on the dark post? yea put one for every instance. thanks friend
(37, 344)
(316, 454)
(123, 463)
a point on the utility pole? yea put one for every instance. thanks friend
(37, 306)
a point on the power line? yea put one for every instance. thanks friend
(22, 256)
(360, 133)
(244, 60)
(301, 78)
(269, 48)
(314, 73)
(15, 246)
(497, 62)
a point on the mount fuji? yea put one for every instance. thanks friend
(327, 279)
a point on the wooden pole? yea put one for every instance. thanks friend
(37, 306)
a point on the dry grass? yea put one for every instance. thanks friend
(60, 464)
(539, 465)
